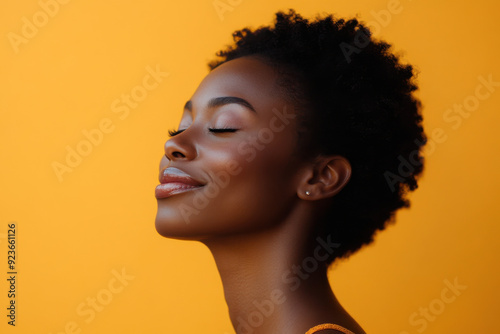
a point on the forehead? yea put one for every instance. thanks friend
(246, 77)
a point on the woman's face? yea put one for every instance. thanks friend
(238, 147)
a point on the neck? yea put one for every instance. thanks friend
(274, 280)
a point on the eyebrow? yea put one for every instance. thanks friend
(221, 101)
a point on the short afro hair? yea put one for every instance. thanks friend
(355, 99)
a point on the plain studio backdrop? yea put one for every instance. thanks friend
(88, 92)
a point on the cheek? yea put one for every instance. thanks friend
(261, 189)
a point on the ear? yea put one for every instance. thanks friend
(324, 178)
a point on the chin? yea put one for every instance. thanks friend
(171, 228)
(175, 227)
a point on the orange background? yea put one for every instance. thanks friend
(76, 234)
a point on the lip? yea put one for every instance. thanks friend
(175, 181)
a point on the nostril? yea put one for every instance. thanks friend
(179, 148)
(178, 154)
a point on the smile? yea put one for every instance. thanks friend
(175, 181)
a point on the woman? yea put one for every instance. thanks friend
(288, 156)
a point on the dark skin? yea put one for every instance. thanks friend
(259, 224)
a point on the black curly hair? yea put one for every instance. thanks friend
(356, 100)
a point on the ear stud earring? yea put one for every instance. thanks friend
(308, 193)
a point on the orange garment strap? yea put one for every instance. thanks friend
(329, 326)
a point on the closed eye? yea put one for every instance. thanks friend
(222, 130)
(173, 132)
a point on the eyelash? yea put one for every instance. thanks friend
(173, 132)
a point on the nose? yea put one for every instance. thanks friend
(179, 147)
